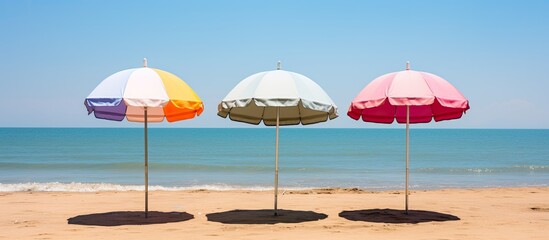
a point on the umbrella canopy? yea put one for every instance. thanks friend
(408, 97)
(144, 95)
(257, 98)
(386, 98)
(277, 98)
(128, 92)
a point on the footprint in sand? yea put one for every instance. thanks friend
(540, 209)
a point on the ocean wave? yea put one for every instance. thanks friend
(512, 169)
(105, 187)
(110, 187)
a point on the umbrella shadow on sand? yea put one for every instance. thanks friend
(129, 218)
(264, 216)
(396, 216)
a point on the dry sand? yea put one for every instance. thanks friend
(505, 213)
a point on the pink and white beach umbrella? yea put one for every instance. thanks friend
(409, 97)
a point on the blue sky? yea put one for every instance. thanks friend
(54, 53)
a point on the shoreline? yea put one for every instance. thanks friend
(487, 213)
(114, 187)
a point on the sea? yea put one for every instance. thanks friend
(112, 159)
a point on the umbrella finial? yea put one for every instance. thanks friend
(144, 62)
(407, 65)
(278, 65)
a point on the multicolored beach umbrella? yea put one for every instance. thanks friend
(144, 95)
(409, 97)
(132, 92)
(277, 98)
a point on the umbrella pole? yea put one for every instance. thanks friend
(407, 151)
(146, 167)
(276, 162)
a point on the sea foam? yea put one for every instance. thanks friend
(103, 187)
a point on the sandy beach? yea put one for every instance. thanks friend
(503, 213)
